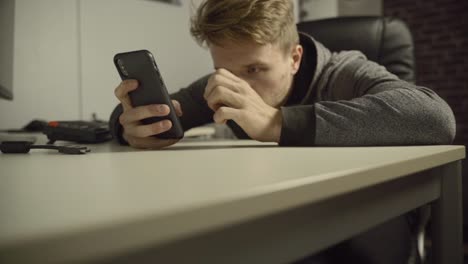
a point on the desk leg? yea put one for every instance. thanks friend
(447, 217)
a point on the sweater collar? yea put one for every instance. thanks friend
(315, 57)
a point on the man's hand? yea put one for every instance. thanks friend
(233, 99)
(134, 132)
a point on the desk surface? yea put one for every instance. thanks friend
(189, 188)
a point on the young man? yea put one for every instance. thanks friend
(272, 84)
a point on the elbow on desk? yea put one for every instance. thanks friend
(446, 129)
(440, 122)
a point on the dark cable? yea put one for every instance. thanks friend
(8, 147)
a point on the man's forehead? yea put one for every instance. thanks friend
(243, 54)
(247, 64)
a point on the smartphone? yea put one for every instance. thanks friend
(141, 66)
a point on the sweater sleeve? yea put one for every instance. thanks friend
(195, 110)
(366, 105)
(115, 127)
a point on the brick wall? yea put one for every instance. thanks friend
(440, 32)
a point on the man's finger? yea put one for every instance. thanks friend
(224, 96)
(121, 92)
(228, 75)
(141, 112)
(223, 114)
(177, 107)
(220, 79)
(148, 130)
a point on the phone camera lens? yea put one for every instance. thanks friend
(122, 68)
(124, 72)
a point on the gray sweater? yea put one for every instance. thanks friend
(339, 99)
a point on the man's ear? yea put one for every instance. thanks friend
(296, 56)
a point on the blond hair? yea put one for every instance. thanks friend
(261, 21)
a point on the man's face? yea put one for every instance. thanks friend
(266, 68)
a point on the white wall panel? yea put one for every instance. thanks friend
(45, 79)
(112, 26)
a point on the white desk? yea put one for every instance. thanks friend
(219, 202)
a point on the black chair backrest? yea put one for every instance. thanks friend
(385, 40)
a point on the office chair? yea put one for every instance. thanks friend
(386, 41)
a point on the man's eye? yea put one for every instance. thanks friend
(252, 70)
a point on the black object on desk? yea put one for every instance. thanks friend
(35, 125)
(9, 147)
(78, 131)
